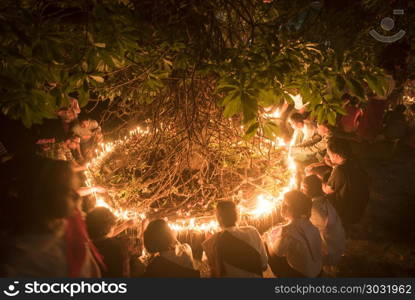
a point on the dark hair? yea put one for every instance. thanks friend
(297, 117)
(158, 236)
(313, 184)
(346, 96)
(340, 147)
(45, 191)
(99, 222)
(353, 101)
(227, 213)
(298, 204)
(83, 117)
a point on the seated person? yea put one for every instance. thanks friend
(325, 218)
(46, 238)
(236, 251)
(315, 147)
(69, 150)
(101, 224)
(90, 133)
(295, 248)
(69, 114)
(348, 185)
(304, 130)
(169, 257)
(47, 148)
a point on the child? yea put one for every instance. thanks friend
(325, 218)
(169, 257)
(236, 251)
(295, 248)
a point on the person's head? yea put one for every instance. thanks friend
(354, 101)
(159, 237)
(323, 129)
(311, 186)
(72, 142)
(226, 213)
(84, 121)
(296, 205)
(100, 222)
(346, 97)
(338, 151)
(48, 191)
(296, 121)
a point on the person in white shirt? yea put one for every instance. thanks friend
(325, 218)
(236, 251)
(295, 248)
(169, 257)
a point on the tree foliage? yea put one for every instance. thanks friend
(133, 52)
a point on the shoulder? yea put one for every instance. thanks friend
(249, 229)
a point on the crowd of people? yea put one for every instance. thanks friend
(50, 231)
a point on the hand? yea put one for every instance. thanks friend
(99, 189)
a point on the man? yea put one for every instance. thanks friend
(348, 183)
(236, 251)
(325, 218)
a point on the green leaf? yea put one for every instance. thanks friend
(375, 84)
(356, 88)
(251, 131)
(331, 117)
(233, 107)
(340, 83)
(268, 98)
(270, 130)
(249, 107)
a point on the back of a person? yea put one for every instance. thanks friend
(295, 249)
(353, 196)
(115, 256)
(327, 221)
(174, 263)
(239, 249)
(160, 267)
(301, 257)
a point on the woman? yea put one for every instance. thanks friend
(47, 238)
(169, 257)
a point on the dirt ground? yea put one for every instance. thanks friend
(383, 244)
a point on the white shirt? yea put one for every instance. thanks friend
(181, 255)
(300, 243)
(249, 235)
(325, 218)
